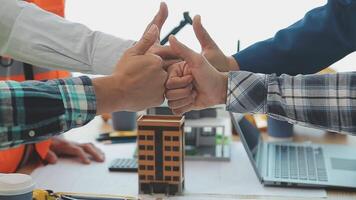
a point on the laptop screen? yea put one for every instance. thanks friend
(250, 137)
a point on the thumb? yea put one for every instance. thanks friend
(145, 43)
(202, 35)
(51, 157)
(182, 51)
(160, 17)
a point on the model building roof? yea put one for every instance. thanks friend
(160, 120)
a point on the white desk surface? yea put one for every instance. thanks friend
(90, 131)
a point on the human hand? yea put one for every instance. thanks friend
(209, 86)
(137, 83)
(211, 50)
(84, 152)
(165, 52)
(179, 86)
(159, 19)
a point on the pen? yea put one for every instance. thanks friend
(64, 197)
(119, 141)
(78, 197)
(101, 138)
(118, 135)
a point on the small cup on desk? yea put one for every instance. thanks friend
(124, 121)
(16, 187)
(279, 130)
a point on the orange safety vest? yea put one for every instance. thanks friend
(11, 158)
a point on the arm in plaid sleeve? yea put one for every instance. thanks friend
(31, 111)
(322, 101)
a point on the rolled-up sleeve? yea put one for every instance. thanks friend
(32, 111)
(326, 101)
(32, 35)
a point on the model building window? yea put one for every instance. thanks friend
(175, 148)
(150, 147)
(167, 148)
(167, 138)
(149, 157)
(142, 157)
(167, 168)
(142, 167)
(167, 158)
(175, 178)
(142, 137)
(150, 177)
(149, 137)
(176, 169)
(141, 147)
(175, 138)
(175, 158)
(150, 167)
(142, 177)
(168, 178)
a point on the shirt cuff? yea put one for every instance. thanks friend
(252, 59)
(79, 102)
(247, 92)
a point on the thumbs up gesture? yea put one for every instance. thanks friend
(211, 51)
(208, 88)
(137, 83)
(140, 75)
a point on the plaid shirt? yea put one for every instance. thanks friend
(321, 101)
(32, 111)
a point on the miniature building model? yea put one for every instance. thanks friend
(161, 154)
(200, 136)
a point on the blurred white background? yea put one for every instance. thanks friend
(226, 20)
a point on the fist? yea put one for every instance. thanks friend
(207, 89)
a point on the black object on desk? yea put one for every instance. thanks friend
(117, 137)
(121, 141)
(124, 165)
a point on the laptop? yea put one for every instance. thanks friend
(297, 164)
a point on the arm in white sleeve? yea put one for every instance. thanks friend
(30, 34)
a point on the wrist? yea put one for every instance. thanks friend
(232, 64)
(222, 90)
(107, 93)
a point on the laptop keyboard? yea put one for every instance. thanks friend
(299, 162)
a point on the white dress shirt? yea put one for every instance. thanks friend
(32, 35)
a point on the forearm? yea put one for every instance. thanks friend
(108, 94)
(320, 101)
(29, 34)
(32, 111)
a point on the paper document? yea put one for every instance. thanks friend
(224, 179)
